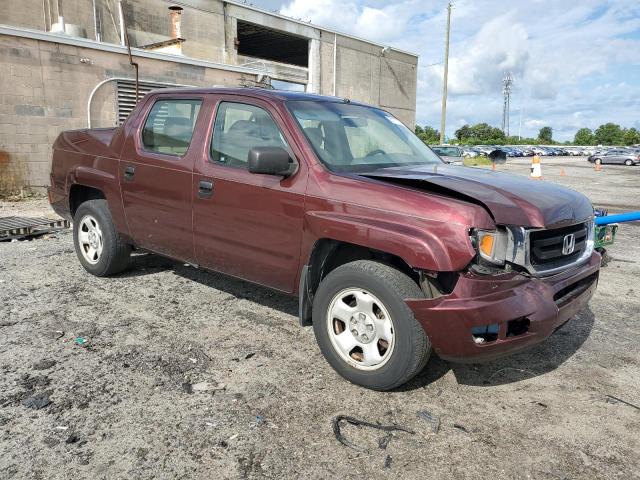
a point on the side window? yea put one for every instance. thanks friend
(169, 126)
(240, 127)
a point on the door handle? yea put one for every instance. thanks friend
(129, 171)
(205, 189)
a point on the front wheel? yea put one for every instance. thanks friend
(628, 163)
(365, 329)
(98, 245)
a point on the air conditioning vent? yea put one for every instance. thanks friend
(126, 95)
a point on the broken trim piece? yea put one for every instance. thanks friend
(361, 423)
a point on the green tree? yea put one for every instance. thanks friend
(631, 136)
(428, 135)
(609, 134)
(546, 135)
(463, 132)
(584, 136)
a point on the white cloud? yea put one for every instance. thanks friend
(378, 24)
(478, 64)
(561, 54)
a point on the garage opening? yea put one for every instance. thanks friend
(261, 42)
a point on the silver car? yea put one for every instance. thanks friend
(620, 157)
(451, 155)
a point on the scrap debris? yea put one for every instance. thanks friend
(361, 423)
(612, 399)
(431, 419)
(36, 402)
(461, 428)
(383, 443)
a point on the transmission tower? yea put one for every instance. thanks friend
(507, 82)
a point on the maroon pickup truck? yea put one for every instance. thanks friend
(391, 252)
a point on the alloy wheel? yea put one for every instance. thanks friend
(90, 239)
(360, 329)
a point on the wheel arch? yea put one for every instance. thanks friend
(78, 194)
(88, 183)
(326, 255)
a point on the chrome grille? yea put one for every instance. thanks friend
(547, 245)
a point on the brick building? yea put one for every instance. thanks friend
(64, 66)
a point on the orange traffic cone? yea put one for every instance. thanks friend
(536, 168)
(598, 167)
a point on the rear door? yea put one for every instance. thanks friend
(156, 170)
(615, 156)
(247, 225)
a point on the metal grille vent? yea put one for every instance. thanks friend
(126, 95)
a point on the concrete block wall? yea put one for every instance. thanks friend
(203, 29)
(44, 85)
(32, 14)
(365, 74)
(44, 90)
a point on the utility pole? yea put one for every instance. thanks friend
(443, 115)
(520, 125)
(507, 82)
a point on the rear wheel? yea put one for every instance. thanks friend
(628, 163)
(365, 329)
(98, 245)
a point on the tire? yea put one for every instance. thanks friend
(403, 349)
(598, 161)
(98, 245)
(628, 163)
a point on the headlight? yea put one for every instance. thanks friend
(491, 245)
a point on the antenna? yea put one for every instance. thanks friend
(507, 82)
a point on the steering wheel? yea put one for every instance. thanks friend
(377, 151)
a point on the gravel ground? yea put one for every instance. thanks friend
(120, 405)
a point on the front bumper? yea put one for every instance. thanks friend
(476, 301)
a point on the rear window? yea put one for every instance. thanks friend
(169, 126)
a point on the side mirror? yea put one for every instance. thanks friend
(270, 161)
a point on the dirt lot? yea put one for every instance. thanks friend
(120, 407)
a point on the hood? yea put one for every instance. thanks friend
(509, 199)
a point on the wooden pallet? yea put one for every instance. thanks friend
(21, 227)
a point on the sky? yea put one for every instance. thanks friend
(575, 63)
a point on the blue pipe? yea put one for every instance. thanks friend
(622, 217)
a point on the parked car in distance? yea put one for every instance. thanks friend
(618, 156)
(449, 154)
(391, 252)
(468, 152)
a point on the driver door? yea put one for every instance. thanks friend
(247, 225)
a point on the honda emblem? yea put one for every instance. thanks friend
(568, 244)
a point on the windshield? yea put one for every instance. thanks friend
(448, 151)
(354, 138)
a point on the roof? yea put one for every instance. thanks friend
(256, 92)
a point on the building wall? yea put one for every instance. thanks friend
(44, 90)
(44, 85)
(366, 74)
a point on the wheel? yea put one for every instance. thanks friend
(598, 161)
(628, 163)
(98, 245)
(364, 328)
